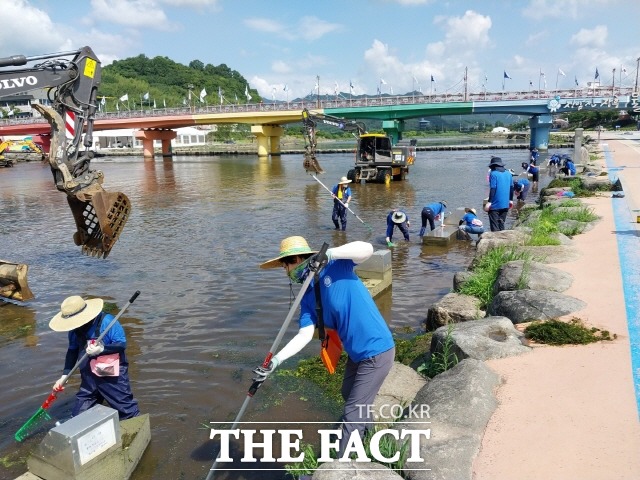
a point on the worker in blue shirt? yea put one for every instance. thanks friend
(534, 171)
(346, 306)
(432, 212)
(534, 156)
(341, 198)
(104, 372)
(397, 218)
(470, 223)
(521, 188)
(500, 194)
(569, 167)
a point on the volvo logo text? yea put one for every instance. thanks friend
(10, 83)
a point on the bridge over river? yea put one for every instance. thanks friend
(266, 119)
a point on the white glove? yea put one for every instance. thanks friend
(487, 207)
(346, 204)
(58, 386)
(94, 348)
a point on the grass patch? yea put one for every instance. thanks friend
(545, 228)
(313, 369)
(485, 272)
(387, 445)
(577, 186)
(574, 332)
(442, 361)
(408, 350)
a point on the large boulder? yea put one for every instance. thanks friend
(528, 305)
(354, 470)
(459, 279)
(455, 432)
(490, 240)
(552, 253)
(399, 388)
(485, 339)
(453, 308)
(518, 275)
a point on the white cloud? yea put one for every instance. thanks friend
(131, 13)
(539, 9)
(595, 38)
(191, 3)
(313, 28)
(519, 60)
(15, 40)
(281, 67)
(470, 29)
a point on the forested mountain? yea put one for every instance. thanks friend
(168, 83)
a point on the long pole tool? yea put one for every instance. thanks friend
(328, 190)
(315, 268)
(42, 415)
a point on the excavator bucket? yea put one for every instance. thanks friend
(100, 218)
(13, 281)
(311, 164)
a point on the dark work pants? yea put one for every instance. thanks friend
(339, 213)
(115, 390)
(403, 228)
(361, 383)
(427, 215)
(497, 219)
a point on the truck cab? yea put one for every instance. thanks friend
(379, 161)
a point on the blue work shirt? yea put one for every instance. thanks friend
(437, 208)
(501, 185)
(348, 308)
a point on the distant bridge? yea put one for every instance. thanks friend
(266, 119)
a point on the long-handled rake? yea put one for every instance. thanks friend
(42, 415)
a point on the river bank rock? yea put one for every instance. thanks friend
(484, 339)
(453, 308)
(459, 278)
(551, 253)
(399, 388)
(455, 430)
(354, 471)
(522, 306)
(491, 240)
(518, 274)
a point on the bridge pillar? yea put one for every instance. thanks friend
(394, 129)
(268, 139)
(148, 136)
(540, 127)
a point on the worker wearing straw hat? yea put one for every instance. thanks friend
(470, 223)
(341, 198)
(397, 218)
(347, 308)
(104, 373)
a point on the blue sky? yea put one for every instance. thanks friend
(394, 45)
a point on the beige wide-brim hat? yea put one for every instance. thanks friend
(75, 312)
(472, 210)
(288, 247)
(344, 181)
(398, 217)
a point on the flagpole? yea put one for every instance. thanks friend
(557, 74)
(539, 77)
(613, 82)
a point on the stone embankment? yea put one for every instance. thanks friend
(463, 399)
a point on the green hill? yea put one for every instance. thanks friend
(168, 83)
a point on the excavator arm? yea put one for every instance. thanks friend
(309, 121)
(72, 85)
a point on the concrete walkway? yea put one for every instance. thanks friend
(573, 412)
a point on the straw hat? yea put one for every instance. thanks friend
(398, 217)
(75, 312)
(288, 247)
(344, 181)
(472, 210)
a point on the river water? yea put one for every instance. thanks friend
(207, 314)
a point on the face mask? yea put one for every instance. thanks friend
(298, 274)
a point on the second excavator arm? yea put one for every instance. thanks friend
(309, 122)
(72, 87)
